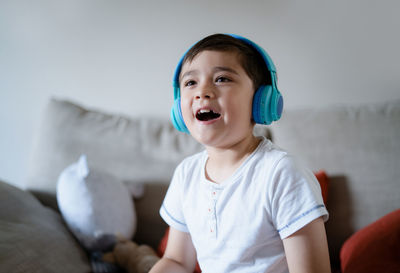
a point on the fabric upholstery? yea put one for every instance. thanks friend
(34, 238)
(375, 248)
(323, 180)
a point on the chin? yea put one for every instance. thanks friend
(217, 137)
(205, 137)
(214, 140)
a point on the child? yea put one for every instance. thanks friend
(242, 205)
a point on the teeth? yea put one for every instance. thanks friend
(206, 114)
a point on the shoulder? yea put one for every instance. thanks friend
(289, 166)
(285, 170)
(270, 154)
(279, 159)
(290, 177)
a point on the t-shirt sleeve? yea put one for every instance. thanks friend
(171, 209)
(296, 197)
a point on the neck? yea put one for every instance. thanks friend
(223, 162)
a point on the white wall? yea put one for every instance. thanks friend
(120, 55)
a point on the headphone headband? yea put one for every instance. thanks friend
(267, 59)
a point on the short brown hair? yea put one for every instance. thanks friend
(250, 59)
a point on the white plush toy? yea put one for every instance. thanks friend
(96, 206)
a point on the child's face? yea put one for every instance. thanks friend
(216, 98)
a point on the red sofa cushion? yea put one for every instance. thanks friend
(375, 248)
(324, 183)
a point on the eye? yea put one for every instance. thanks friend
(222, 79)
(189, 83)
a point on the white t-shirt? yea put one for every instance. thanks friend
(238, 225)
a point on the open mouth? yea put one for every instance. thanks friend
(207, 114)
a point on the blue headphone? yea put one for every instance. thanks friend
(267, 100)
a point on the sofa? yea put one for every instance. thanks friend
(356, 146)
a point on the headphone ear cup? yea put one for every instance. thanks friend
(177, 118)
(276, 104)
(267, 105)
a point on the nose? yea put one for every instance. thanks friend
(205, 91)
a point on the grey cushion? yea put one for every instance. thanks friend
(359, 148)
(34, 238)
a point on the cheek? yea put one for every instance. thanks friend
(249, 104)
(186, 108)
(242, 107)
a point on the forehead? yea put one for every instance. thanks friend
(213, 58)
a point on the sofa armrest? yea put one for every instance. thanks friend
(34, 238)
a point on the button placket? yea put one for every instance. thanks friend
(214, 194)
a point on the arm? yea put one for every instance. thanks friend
(307, 249)
(179, 256)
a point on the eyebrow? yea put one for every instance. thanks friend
(224, 68)
(216, 69)
(188, 73)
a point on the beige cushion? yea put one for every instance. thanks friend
(34, 238)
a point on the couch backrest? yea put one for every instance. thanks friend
(359, 147)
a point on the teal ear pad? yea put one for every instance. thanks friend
(267, 105)
(176, 111)
(176, 117)
(267, 100)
